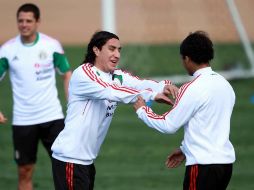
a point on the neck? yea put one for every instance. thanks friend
(101, 67)
(29, 39)
(196, 67)
(201, 66)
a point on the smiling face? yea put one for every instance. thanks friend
(108, 57)
(27, 26)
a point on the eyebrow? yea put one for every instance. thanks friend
(112, 46)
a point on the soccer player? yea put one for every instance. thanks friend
(32, 58)
(96, 88)
(204, 107)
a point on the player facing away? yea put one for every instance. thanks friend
(203, 107)
(31, 59)
(96, 88)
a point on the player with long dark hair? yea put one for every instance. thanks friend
(96, 88)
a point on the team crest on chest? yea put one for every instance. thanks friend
(43, 55)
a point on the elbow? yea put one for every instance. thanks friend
(169, 129)
(67, 75)
(164, 128)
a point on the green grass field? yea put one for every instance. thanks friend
(133, 155)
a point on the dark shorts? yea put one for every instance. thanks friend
(26, 139)
(207, 177)
(69, 176)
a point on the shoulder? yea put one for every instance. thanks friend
(45, 37)
(83, 71)
(10, 43)
(221, 83)
(48, 39)
(192, 87)
(10, 47)
(50, 42)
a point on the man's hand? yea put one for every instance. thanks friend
(162, 98)
(2, 118)
(175, 159)
(139, 103)
(170, 90)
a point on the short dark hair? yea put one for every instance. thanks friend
(29, 7)
(98, 40)
(198, 47)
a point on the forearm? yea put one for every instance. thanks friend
(142, 84)
(127, 95)
(158, 122)
(66, 80)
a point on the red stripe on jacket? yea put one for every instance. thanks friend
(152, 115)
(88, 71)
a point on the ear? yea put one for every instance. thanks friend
(96, 50)
(187, 58)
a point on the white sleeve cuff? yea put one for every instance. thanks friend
(153, 95)
(140, 110)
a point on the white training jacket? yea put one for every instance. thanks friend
(93, 98)
(204, 107)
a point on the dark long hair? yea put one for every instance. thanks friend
(98, 40)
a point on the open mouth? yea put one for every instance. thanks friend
(114, 61)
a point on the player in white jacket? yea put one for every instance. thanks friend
(204, 107)
(95, 89)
